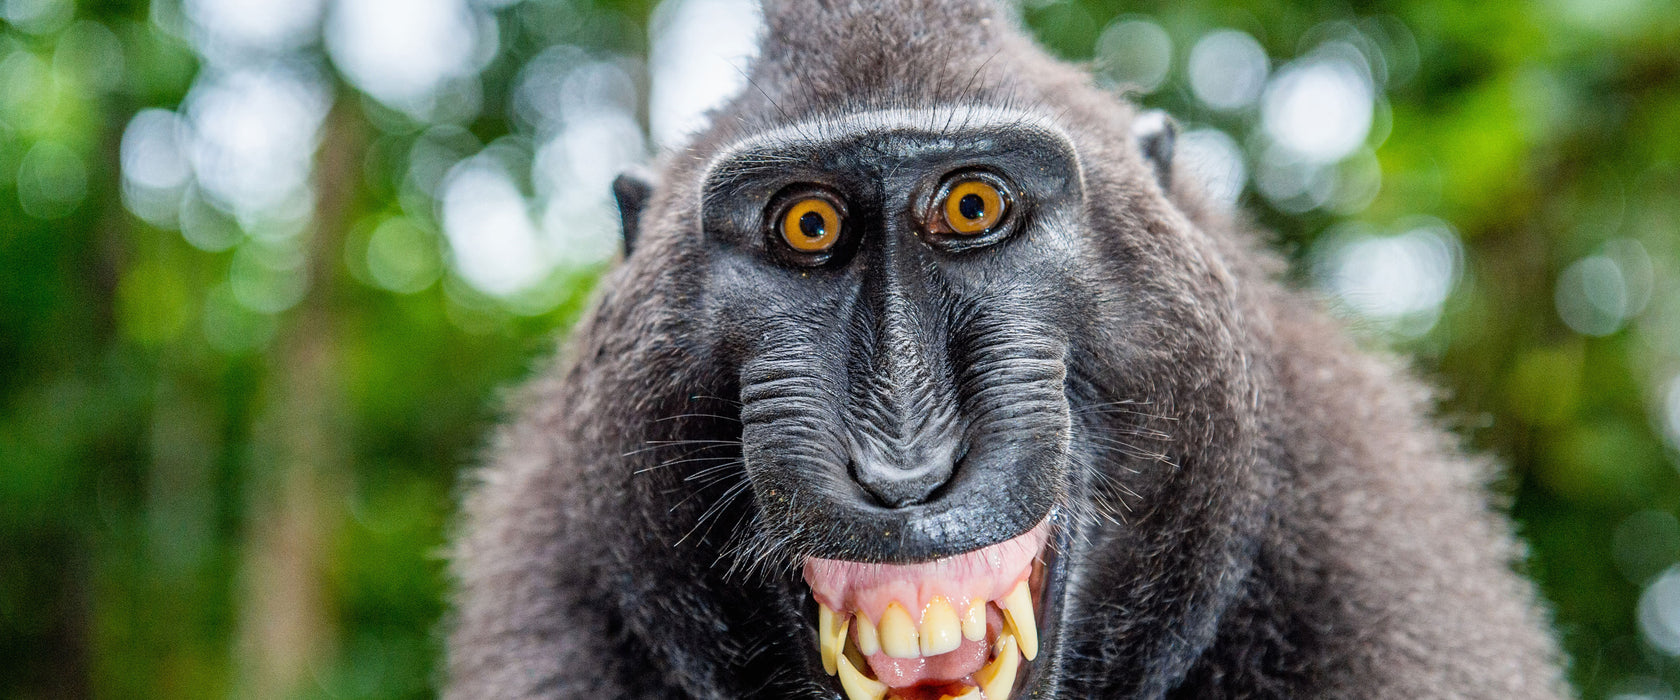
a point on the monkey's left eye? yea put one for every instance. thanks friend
(969, 206)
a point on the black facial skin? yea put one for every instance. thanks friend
(915, 393)
(903, 396)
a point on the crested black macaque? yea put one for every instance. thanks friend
(928, 375)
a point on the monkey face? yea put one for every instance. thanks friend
(898, 296)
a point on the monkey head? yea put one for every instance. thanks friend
(928, 375)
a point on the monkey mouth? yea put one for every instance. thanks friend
(964, 627)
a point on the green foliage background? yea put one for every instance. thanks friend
(264, 518)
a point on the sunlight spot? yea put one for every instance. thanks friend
(1215, 161)
(91, 55)
(1294, 184)
(493, 243)
(701, 52)
(1320, 105)
(38, 16)
(1398, 282)
(405, 52)
(402, 257)
(1659, 612)
(52, 180)
(234, 30)
(1592, 296)
(254, 139)
(155, 170)
(1227, 69)
(1135, 53)
(267, 280)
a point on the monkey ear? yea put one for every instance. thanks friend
(1155, 134)
(632, 189)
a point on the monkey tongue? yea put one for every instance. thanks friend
(950, 666)
(957, 665)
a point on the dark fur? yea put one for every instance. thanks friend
(1271, 516)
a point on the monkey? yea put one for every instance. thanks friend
(928, 373)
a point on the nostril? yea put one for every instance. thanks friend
(892, 486)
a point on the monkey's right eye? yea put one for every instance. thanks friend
(811, 224)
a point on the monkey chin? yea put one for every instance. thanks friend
(964, 627)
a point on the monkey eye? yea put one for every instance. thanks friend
(811, 224)
(970, 205)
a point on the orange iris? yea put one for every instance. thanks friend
(811, 225)
(973, 206)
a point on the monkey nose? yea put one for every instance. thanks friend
(900, 483)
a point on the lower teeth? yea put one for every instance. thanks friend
(857, 685)
(996, 679)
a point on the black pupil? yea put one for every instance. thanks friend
(971, 206)
(811, 224)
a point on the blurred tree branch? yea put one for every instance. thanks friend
(287, 628)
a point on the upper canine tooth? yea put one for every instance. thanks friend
(869, 643)
(1018, 611)
(898, 633)
(831, 636)
(940, 630)
(857, 685)
(974, 622)
(998, 677)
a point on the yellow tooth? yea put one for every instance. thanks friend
(940, 630)
(974, 623)
(869, 643)
(857, 685)
(998, 677)
(831, 635)
(898, 633)
(972, 693)
(1018, 611)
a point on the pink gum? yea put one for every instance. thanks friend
(985, 574)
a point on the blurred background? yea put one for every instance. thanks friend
(266, 265)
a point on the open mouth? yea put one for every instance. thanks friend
(959, 628)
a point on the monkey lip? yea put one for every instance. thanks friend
(957, 627)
